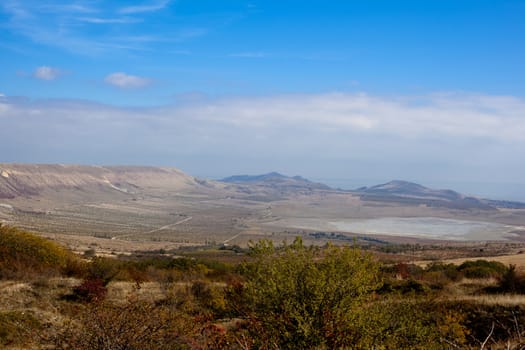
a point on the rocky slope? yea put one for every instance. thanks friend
(27, 180)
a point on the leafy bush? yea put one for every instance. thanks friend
(23, 253)
(402, 270)
(410, 323)
(210, 298)
(449, 271)
(482, 269)
(409, 286)
(303, 297)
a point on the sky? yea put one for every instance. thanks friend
(350, 93)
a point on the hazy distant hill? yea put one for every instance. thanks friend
(277, 180)
(81, 181)
(411, 193)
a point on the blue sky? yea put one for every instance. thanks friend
(349, 92)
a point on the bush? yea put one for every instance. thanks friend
(90, 290)
(303, 297)
(209, 297)
(410, 323)
(23, 253)
(482, 269)
(135, 325)
(504, 324)
(17, 327)
(409, 286)
(450, 271)
(511, 281)
(103, 269)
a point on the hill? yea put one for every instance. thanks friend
(277, 181)
(26, 180)
(412, 193)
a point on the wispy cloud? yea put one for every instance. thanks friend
(16, 9)
(250, 54)
(47, 73)
(126, 81)
(147, 7)
(189, 33)
(99, 20)
(70, 26)
(317, 56)
(66, 8)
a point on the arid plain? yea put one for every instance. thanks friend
(121, 209)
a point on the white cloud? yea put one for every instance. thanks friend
(46, 73)
(126, 81)
(454, 115)
(250, 54)
(69, 26)
(331, 115)
(469, 136)
(151, 7)
(100, 20)
(65, 8)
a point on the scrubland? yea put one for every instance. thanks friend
(289, 296)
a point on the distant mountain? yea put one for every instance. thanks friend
(410, 189)
(273, 176)
(411, 193)
(83, 183)
(276, 182)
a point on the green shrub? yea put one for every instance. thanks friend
(210, 298)
(450, 271)
(409, 286)
(23, 253)
(482, 269)
(410, 323)
(303, 297)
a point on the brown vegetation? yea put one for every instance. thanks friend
(287, 297)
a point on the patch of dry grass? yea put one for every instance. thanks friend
(493, 299)
(121, 291)
(473, 290)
